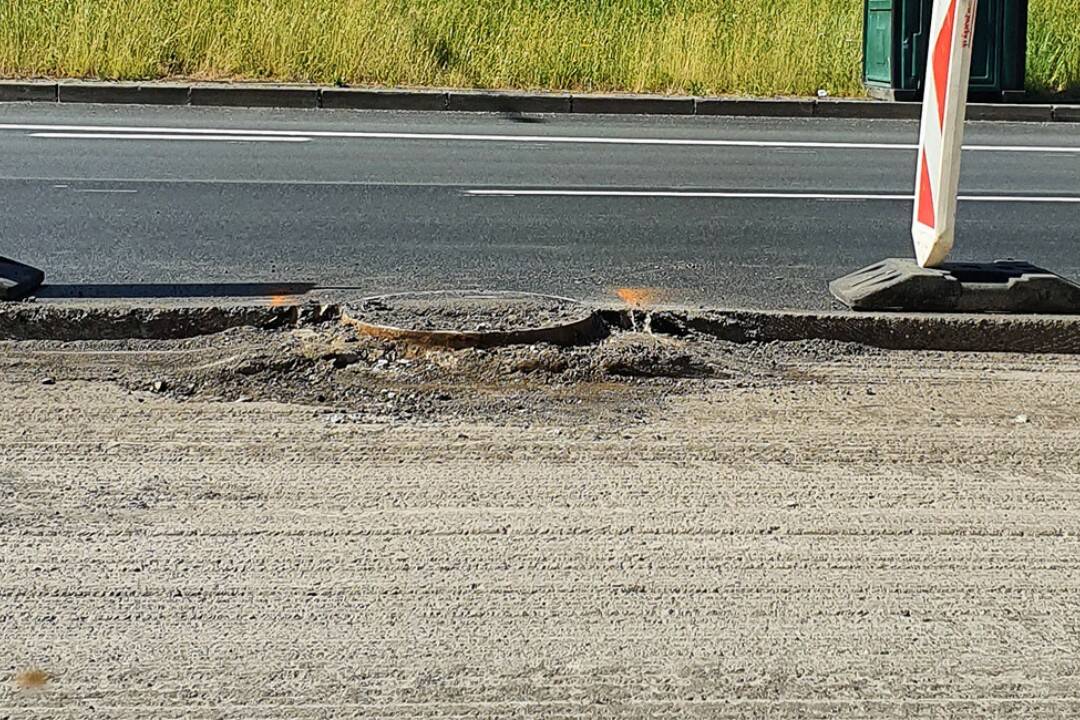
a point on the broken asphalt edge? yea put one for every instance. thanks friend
(314, 97)
(894, 331)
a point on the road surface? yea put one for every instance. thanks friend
(732, 212)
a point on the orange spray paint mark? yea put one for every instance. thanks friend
(279, 300)
(638, 297)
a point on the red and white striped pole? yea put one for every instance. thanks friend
(944, 105)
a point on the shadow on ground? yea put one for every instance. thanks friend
(173, 290)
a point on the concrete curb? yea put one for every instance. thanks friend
(632, 104)
(62, 322)
(1057, 334)
(312, 97)
(343, 98)
(736, 107)
(508, 102)
(279, 96)
(28, 91)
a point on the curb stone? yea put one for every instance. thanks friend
(361, 99)
(1010, 113)
(31, 91)
(509, 102)
(255, 96)
(311, 97)
(740, 107)
(877, 110)
(632, 104)
(1067, 113)
(124, 93)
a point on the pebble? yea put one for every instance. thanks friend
(48, 381)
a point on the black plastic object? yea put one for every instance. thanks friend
(18, 280)
(1010, 286)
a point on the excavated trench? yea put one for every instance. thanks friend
(420, 356)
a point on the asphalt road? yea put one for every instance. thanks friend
(718, 211)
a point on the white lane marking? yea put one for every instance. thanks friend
(736, 195)
(570, 139)
(163, 136)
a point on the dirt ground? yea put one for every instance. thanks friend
(306, 524)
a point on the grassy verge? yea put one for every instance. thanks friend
(684, 46)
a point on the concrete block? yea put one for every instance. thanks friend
(755, 108)
(632, 104)
(18, 280)
(1010, 286)
(255, 96)
(130, 93)
(1067, 113)
(373, 99)
(13, 91)
(508, 102)
(868, 109)
(1010, 113)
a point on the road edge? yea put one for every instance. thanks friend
(312, 97)
(1057, 334)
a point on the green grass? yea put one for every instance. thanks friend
(785, 47)
(1054, 46)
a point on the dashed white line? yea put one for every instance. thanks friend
(164, 136)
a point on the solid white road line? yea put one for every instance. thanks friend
(736, 195)
(163, 136)
(554, 139)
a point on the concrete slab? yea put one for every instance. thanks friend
(17, 280)
(1012, 286)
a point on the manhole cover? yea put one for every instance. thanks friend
(459, 319)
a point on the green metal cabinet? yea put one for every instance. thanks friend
(895, 48)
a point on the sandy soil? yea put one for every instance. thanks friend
(769, 532)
